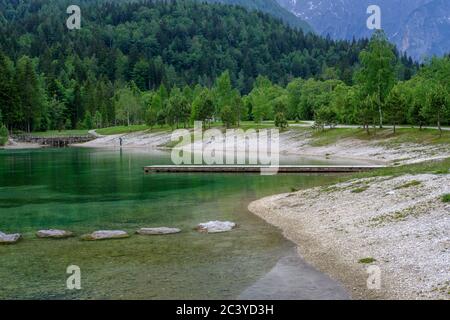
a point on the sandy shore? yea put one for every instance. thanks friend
(400, 222)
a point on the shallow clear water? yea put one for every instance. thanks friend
(84, 190)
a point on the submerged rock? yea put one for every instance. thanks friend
(53, 233)
(9, 238)
(216, 226)
(157, 231)
(105, 234)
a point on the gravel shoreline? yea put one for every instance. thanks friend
(400, 222)
(298, 143)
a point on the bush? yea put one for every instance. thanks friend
(325, 116)
(280, 120)
(228, 116)
(151, 118)
(446, 198)
(3, 135)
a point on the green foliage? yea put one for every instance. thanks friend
(409, 184)
(3, 135)
(228, 116)
(280, 120)
(367, 260)
(396, 106)
(97, 120)
(128, 105)
(271, 7)
(151, 117)
(367, 111)
(325, 116)
(178, 109)
(360, 189)
(161, 118)
(263, 99)
(438, 105)
(132, 57)
(203, 107)
(446, 198)
(377, 74)
(223, 91)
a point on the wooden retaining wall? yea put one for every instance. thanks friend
(58, 142)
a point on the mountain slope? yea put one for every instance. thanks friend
(427, 30)
(169, 42)
(419, 27)
(272, 7)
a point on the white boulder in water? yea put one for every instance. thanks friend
(9, 238)
(54, 233)
(105, 234)
(216, 226)
(157, 231)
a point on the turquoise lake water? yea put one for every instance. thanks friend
(84, 190)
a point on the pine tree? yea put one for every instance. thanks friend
(396, 107)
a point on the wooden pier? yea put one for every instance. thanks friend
(257, 169)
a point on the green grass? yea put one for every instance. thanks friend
(393, 217)
(122, 129)
(441, 166)
(245, 125)
(332, 136)
(408, 184)
(63, 133)
(446, 198)
(403, 135)
(433, 166)
(179, 143)
(360, 190)
(367, 260)
(415, 135)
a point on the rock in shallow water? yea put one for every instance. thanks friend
(53, 233)
(157, 231)
(216, 226)
(9, 238)
(105, 234)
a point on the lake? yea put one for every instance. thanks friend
(84, 190)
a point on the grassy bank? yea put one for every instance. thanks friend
(403, 135)
(122, 129)
(434, 166)
(62, 133)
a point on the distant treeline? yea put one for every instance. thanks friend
(54, 78)
(171, 62)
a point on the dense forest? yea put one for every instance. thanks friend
(171, 62)
(271, 7)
